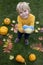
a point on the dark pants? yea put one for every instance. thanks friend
(25, 35)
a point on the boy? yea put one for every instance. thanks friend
(24, 18)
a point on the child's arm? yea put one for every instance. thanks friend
(20, 29)
(32, 21)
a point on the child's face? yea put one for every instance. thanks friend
(24, 14)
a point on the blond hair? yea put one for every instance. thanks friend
(22, 6)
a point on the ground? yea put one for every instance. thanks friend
(8, 9)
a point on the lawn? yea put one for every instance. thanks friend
(8, 9)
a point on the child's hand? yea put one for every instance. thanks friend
(15, 31)
(16, 28)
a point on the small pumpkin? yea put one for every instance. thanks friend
(3, 30)
(19, 58)
(7, 21)
(0, 31)
(32, 57)
(11, 57)
(36, 31)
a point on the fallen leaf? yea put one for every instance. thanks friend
(40, 38)
(1, 42)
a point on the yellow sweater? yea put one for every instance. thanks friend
(29, 21)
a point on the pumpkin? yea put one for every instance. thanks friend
(11, 57)
(32, 57)
(19, 58)
(3, 30)
(0, 31)
(7, 21)
(36, 31)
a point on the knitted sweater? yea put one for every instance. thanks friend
(28, 21)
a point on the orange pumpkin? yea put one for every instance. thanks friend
(32, 57)
(3, 30)
(7, 21)
(0, 31)
(19, 58)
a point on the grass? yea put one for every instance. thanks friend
(8, 9)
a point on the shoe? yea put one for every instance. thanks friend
(26, 42)
(17, 40)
